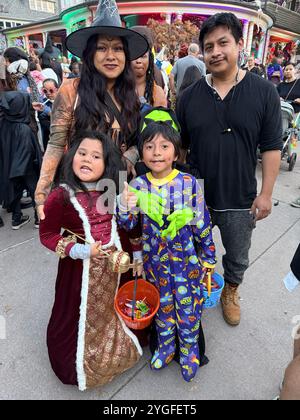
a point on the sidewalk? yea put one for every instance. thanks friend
(246, 362)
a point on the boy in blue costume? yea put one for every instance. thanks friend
(178, 248)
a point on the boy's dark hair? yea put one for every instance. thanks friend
(290, 64)
(51, 80)
(111, 154)
(164, 129)
(221, 19)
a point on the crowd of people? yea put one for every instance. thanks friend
(67, 130)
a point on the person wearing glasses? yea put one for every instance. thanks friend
(49, 91)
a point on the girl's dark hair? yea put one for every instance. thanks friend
(112, 160)
(150, 78)
(191, 75)
(154, 129)
(221, 19)
(92, 112)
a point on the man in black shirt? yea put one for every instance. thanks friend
(224, 118)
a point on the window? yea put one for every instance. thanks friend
(1, 25)
(51, 8)
(42, 6)
(8, 24)
(18, 24)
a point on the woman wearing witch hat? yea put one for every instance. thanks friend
(104, 98)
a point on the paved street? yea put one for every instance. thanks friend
(246, 362)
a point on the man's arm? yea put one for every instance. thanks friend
(262, 205)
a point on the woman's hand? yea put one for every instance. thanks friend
(130, 168)
(40, 212)
(128, 199)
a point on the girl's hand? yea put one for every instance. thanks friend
(128, 199)
(96, 249)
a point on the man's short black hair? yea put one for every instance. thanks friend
(221, 19)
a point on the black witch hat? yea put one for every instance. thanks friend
(107, 22)
(52, 51)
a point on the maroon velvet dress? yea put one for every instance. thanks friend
(88, 343)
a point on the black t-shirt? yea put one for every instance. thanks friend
(290, 92)
(225, 159)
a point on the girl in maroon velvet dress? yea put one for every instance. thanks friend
(88, 343)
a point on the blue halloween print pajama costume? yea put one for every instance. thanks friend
(175, 266)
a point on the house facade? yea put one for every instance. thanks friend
(16, 13)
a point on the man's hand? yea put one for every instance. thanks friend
(151, 204)
(178, 220)
(261, 207)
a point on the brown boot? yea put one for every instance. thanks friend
(231, 305)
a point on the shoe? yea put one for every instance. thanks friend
(1, 222)
(36, 224)
(231, 305)
(18, 224)
(296, 203)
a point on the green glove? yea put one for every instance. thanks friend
(151, 204)
(178, 220)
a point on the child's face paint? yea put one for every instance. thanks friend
(159, 155)
(88, 162)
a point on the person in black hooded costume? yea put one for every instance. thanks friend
(20, 155)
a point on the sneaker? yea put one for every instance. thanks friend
(36, 224)
(18, 224)
(296, 203)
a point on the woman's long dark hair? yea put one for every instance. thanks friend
(92, 112)
(112, 160)
(150, 78)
